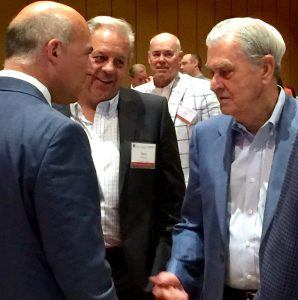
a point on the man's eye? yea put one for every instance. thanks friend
(224, 73)
(119, 63)
(169, 54)
(99, 58)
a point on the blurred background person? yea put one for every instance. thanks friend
(191, 64)
(137, 75)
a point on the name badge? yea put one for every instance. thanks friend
(185, 114)
(143, 155)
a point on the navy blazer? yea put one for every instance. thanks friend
(200, 241)
(51, 245)
(279, 268)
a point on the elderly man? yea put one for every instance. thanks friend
(137, 75)
(191, 64)
(141, 176)
(51, 240)
(238, 162)
(190, 99)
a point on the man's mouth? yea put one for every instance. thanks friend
(105, 81)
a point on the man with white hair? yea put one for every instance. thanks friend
(190, 99)
(237, 166)
(135, 152)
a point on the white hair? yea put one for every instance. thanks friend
(255, 36)
(118, 24)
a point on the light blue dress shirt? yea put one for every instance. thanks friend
(250, 172)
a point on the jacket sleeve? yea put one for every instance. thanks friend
(67, 199)
(169, 189)
(187, 259)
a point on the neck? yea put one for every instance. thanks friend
(197, 73)
(261, 112)
(88, 108)
(161, 83)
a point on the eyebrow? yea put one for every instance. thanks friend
(89, 50)
(219, 65)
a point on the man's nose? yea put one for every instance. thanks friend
(108, 66)
(161, 57)
(216, 83)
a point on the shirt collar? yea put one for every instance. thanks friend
(170, 85)
(274, 118)
(25, 77)
(106, 108)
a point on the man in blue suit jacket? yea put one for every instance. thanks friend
(51, 244)
(238, 162)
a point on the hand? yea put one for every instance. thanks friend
(167, 287)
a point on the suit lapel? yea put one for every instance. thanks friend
(176, 95)
(284, 143)
(222, 156)
(127, 114)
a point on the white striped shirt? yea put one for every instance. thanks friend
(103, 135)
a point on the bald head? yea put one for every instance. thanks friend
(50, 42)
(166, 38)
(38, 23)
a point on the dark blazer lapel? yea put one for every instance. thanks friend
(222, 156)
(127, 113)
(288, 126)
(18, 85)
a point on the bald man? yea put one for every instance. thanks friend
(51, 244)
(190, 99)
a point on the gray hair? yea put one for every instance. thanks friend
(117, 24)
(134, 68)
(26, 37)
(256, 37)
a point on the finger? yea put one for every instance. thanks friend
(169, 293)
(166, 279)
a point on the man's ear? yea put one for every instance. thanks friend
(54, 48)
(268, 68)
(148, 57)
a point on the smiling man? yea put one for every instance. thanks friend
(136, 157)
(237, 166)
(190, 99)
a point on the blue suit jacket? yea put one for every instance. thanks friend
(51, 245)
(200, 241)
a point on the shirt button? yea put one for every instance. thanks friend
(247, 244)
(248, 276)
(252, 180)
(250, 211)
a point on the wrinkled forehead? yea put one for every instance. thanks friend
(163, 45)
